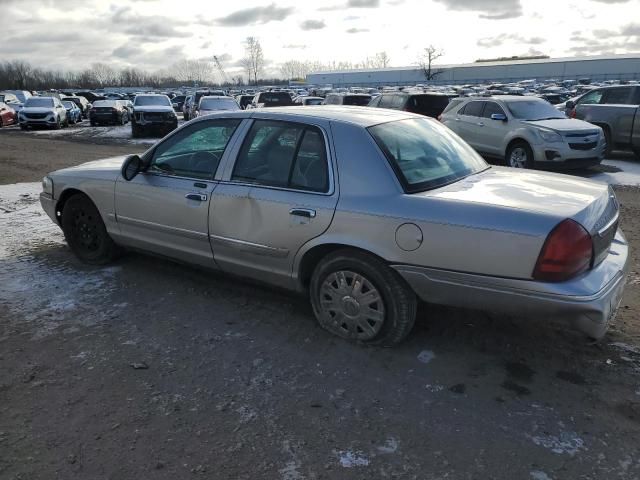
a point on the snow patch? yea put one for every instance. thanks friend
(566, 442)
(539, 475)
(390, 446)
(351, 459)
(426, 356)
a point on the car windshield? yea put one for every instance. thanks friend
(426, 154)
(39, 102)
(533, 110)
(150, 101)
(218, 104)
(69, 104)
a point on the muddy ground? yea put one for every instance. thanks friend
(148, 369)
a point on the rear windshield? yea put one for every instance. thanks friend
(104, 103)
(533, 110)
(147, 101)
(430, 105)
(275, 98)
(218, 104)
(425, 154)
(314, 101)
(360, 100)
(39, 102)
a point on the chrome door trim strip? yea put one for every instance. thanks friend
(251, 247)
(163, 228)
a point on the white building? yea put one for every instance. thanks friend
(598, 68)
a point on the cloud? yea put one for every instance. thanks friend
(498, 40)
(255, 15)
(363, 3)
(491, 10)
(357, 30)
(313, 25)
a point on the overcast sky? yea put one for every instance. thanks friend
(152, 34)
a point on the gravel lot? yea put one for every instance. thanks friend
(151, 369)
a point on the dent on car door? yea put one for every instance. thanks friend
(165, 208)
(278, 194)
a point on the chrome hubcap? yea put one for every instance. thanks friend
(518, 158)
(351, 306)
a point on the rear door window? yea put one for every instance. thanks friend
(283, 154)
(473, 109)
(398, 101)
(617, 96)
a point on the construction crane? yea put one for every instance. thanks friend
(223, 74)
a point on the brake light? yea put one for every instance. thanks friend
(572, 113)
(567, 251)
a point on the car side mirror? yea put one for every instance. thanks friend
(131, 167)
(499, 116)
(570, 105)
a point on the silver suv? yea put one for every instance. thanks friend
(526, 132)
(43, 112)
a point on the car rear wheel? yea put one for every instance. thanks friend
(520, 155)
(85, 232)
(357, 296)
(636, 151)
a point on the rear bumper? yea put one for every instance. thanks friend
(589, 302)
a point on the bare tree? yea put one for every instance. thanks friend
(426, 59)
(381, 60)
(103, 74)
(253, 62)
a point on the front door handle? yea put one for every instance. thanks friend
(198, 197)
(303, 212)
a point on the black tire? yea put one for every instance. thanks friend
(527, 161)
(65, 124)
(93, 124)
(398, 301)
(85, 232)
(1, 123)
(636, 151)
(135, 131)
(58, 125)
(23, 127)
(607, 138)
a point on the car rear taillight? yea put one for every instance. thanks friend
(572, 113)
(567, 252)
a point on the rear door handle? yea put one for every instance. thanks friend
(198, 197)
(303, 212)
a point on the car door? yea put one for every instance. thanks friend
(277, 195)
(622, 122)
(492, 133)
(470, 118)
(165, 209)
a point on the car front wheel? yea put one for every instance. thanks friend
(85, 232)
(520, 155)
(357, 296)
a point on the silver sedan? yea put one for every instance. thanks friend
(366, 211)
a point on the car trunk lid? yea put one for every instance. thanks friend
(592, 204)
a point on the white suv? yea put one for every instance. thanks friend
(526, 132)
(43, 112)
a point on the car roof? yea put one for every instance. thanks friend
(362, 116)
